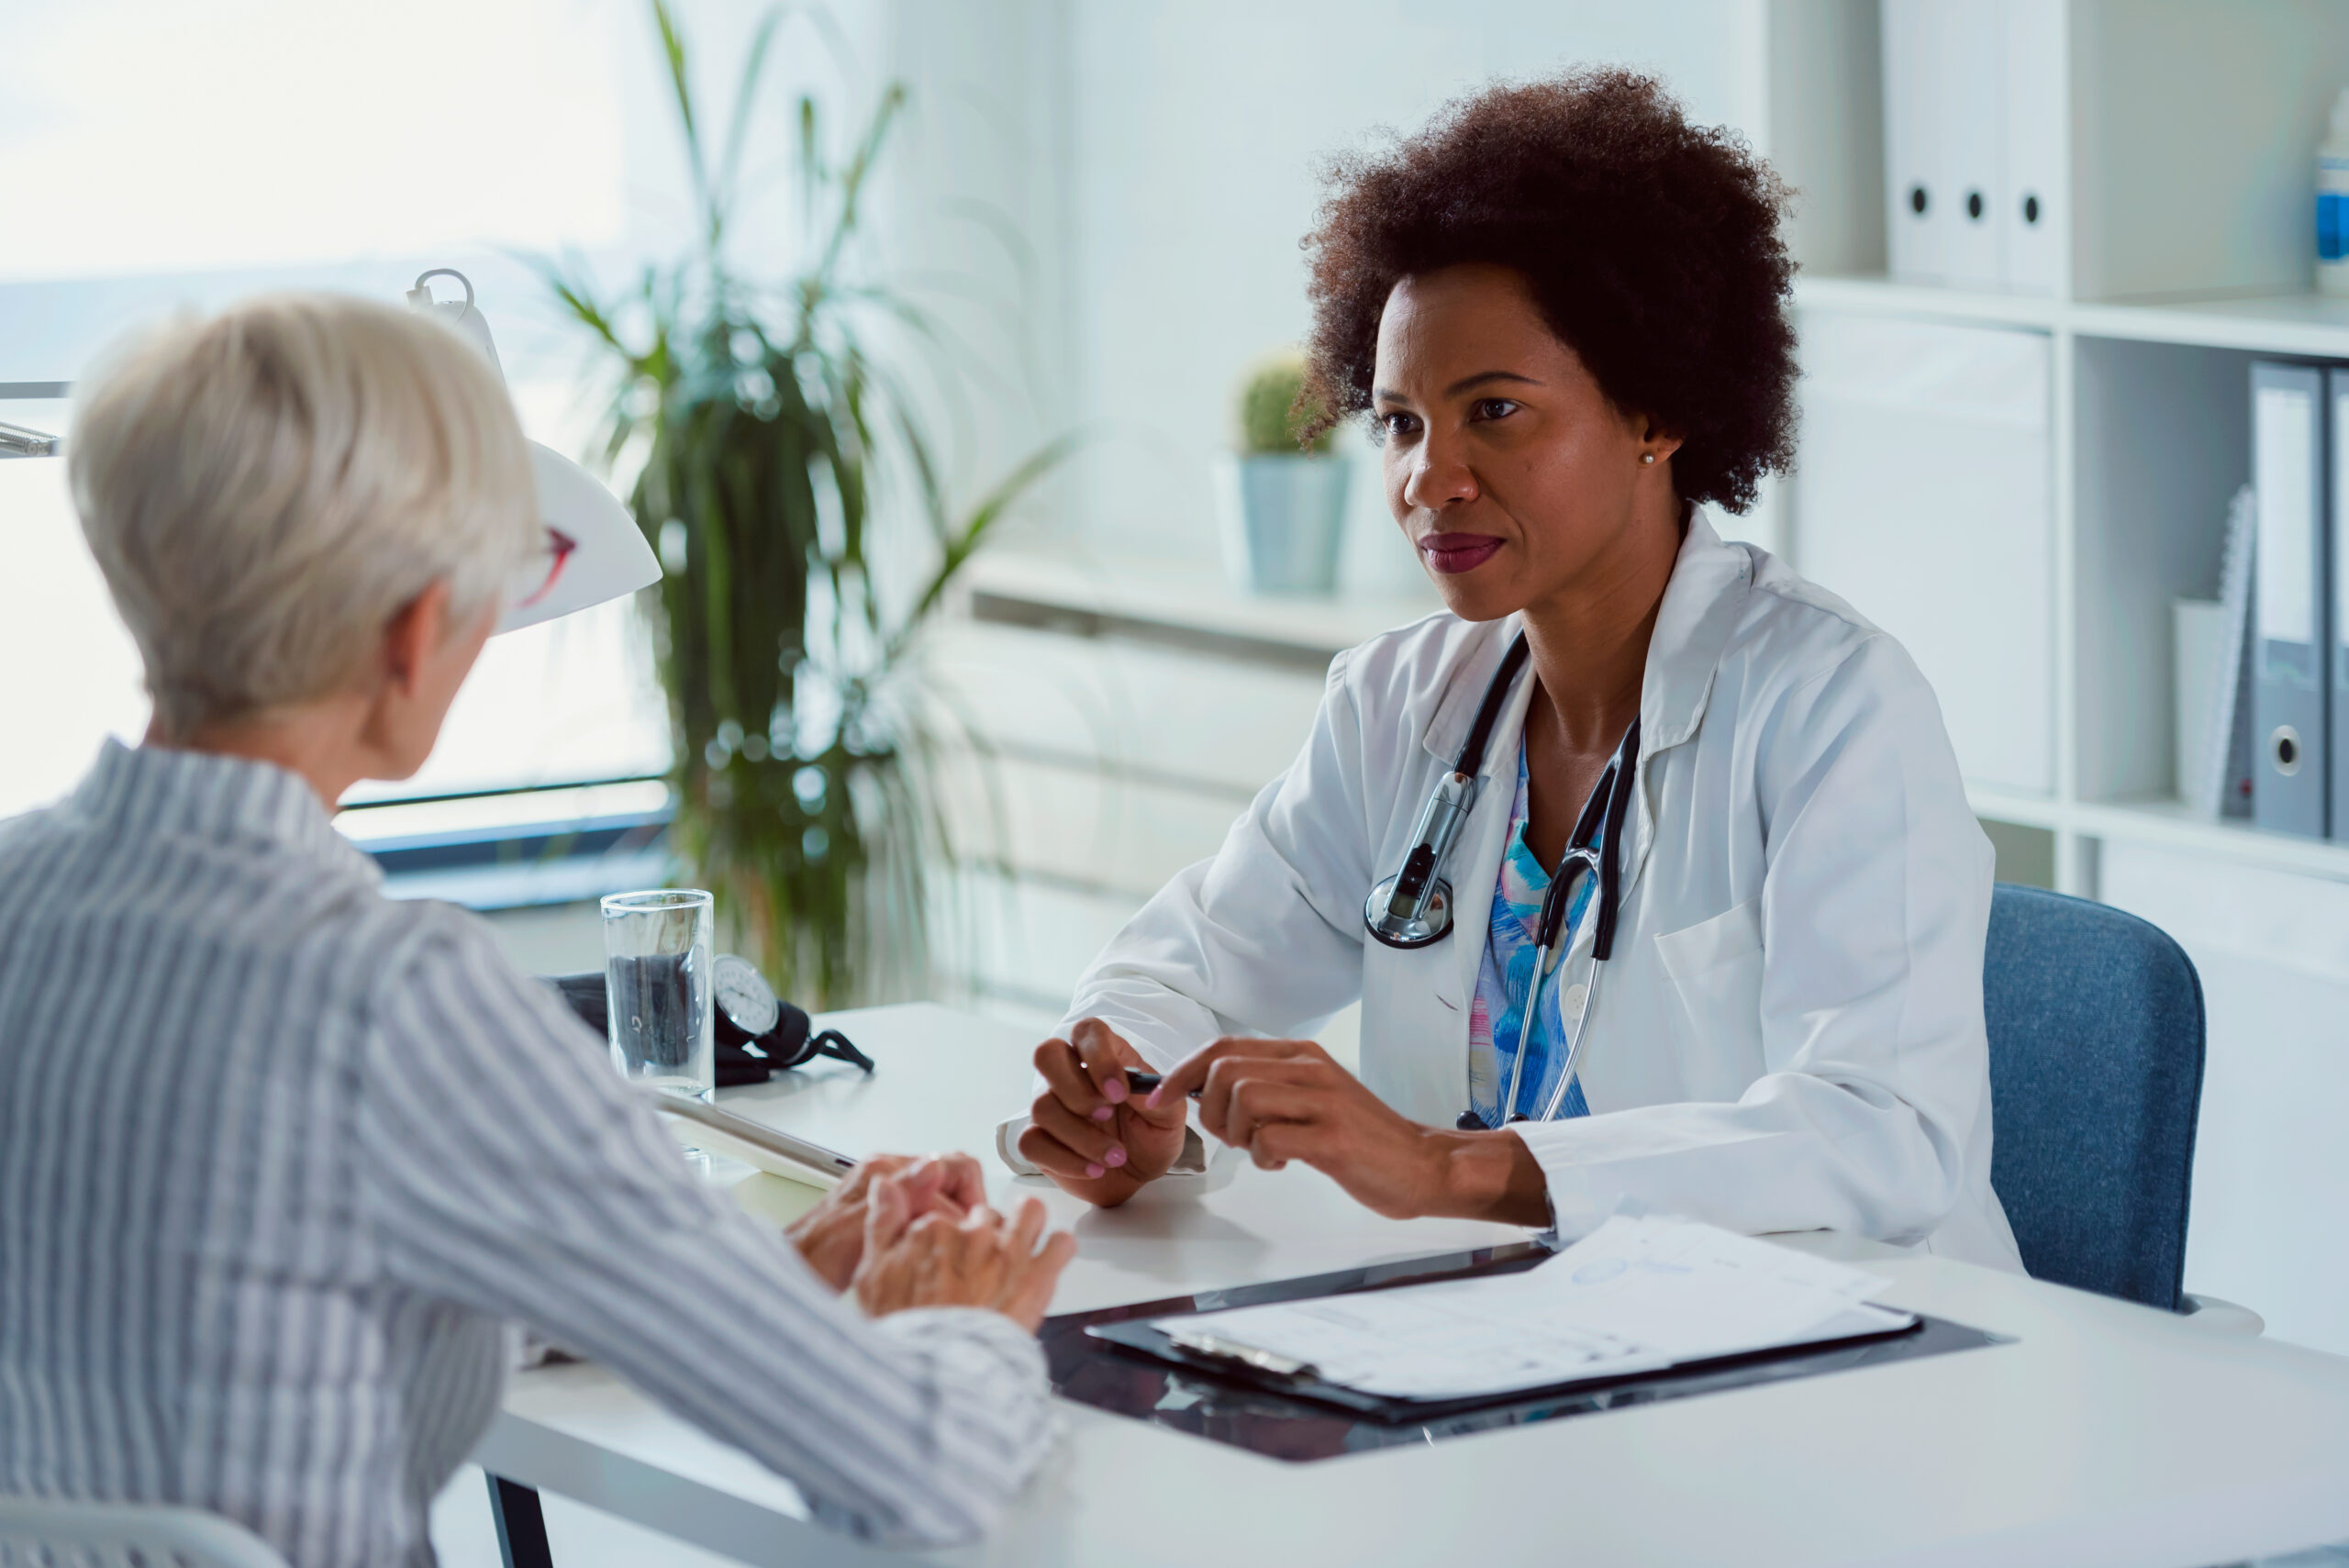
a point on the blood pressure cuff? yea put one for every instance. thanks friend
(737, 1064)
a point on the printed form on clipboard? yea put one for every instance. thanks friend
(1637, 1294)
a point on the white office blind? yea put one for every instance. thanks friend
(69, 674)
(573, 699)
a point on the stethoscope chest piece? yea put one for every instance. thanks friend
(1408, 923)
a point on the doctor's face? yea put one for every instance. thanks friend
(1510, 472)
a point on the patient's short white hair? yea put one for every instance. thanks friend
(266, 487)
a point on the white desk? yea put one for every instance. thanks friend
(2108, 1433)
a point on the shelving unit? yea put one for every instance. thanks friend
(2301, 325)
(2118, 768)
(2148, 348)
(2192, 125)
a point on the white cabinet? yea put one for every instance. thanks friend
(1117, 719)
(2271, 1169)
(1924, 497)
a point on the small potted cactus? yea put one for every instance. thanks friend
(1283, 500)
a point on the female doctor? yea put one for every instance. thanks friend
(1714, 840)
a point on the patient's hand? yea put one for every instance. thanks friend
(830, 1236)
(976, 1260)
(1086, 1131)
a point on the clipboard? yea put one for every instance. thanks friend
(1262, 1371)
(1093, 1361)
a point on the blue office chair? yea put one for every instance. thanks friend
(2096, 1077)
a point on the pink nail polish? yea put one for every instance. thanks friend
(1115, 1158)
(1114, 1091)
(1093, 1172)
(1103, 1113)
(1153, 1101)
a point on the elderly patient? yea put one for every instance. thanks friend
(278, 1155)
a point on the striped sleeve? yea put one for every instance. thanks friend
(509, 1170)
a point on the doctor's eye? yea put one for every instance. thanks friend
(1493, 409)
(1395, 422)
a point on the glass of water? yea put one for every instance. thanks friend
(656, 979)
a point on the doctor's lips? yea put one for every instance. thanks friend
(1454, 553)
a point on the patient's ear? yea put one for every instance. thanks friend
(417, 630)
(423, 658)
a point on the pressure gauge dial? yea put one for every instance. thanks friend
(745, 1003)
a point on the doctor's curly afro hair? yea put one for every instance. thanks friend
(1651, 245)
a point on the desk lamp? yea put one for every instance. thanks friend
(594, 551)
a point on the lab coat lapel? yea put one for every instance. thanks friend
(1701, 606)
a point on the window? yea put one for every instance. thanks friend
(154, 156)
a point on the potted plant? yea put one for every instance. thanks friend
(790, 486)
(1283, 500)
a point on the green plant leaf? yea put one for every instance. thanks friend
(964, 541)
(777, 423)
(672, 51)
(746, 92)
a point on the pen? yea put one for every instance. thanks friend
(1143, 1083)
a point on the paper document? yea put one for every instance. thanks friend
(1636, 1294)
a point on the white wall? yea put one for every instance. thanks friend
(1196, 129)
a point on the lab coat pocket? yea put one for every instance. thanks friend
(1716, 968)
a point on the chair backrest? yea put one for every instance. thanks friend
(124, 1534)
(2095, 1078)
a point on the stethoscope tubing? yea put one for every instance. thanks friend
(1592, 850)
(1412, 909)
(1548, 932)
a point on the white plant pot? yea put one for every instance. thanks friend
(1282, 519)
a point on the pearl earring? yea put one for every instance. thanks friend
(1647, 457)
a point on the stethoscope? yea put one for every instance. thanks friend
(1413, 907)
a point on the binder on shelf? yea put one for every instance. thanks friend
(2290, 639)
(1916, 205)
(2221, 786)
(2036, 194)
(2337, 662)
(1970, 57)
(1977, 136)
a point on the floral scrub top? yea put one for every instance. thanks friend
(1497, 1014)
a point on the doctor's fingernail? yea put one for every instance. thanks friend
(1115, 1158)
(1093, 1172)
(1103, 1113)
(1114, 1091)
(1154, 1094)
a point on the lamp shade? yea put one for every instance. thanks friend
(594, 551)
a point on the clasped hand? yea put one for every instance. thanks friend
(904, 1232)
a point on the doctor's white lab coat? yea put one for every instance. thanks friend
(1790, 1033)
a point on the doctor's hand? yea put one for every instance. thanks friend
(830, 1236)
(1087, 1130)
(1286, 1099)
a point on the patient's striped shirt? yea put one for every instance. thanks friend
(278, 1157)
